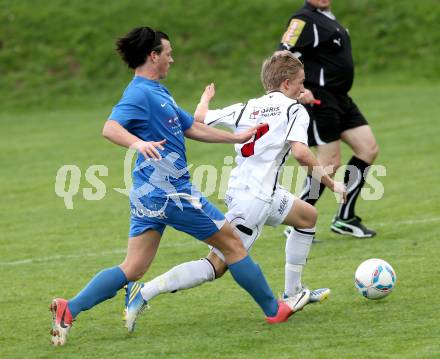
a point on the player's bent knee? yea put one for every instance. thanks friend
(309, 218)
(312, 217)
(368, 152)
(229, 243)
(233, 245)
(302, 215)
(218, 264)
(233, 249)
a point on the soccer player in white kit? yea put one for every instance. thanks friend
(254, 197)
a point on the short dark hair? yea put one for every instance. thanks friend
(138, 44)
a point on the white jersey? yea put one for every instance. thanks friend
(260, 160)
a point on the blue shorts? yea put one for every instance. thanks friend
(186, 212)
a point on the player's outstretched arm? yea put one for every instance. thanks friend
(306, 158)
(117, 134)
(203, 133)
(203, 106)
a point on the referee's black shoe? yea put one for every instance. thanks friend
(352, 227)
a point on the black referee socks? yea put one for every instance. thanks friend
(354, 179)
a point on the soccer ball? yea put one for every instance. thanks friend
(375, 278)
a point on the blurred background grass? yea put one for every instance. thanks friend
(59, 53)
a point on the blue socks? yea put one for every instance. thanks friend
(103, 286)
(106, 284)
(250, 277)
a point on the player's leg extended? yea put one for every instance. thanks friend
(245, 272)
(248, 274)
(185, 276)
(365, 150)
(141, 252)
(105, 284)
(302, 217)
(194, 273)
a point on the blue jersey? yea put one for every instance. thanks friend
(148, 111)
(162, 193)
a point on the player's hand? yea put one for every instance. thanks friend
(339, 187)
(208, 94)
(307, 97)
(245, 136)
(149, 149)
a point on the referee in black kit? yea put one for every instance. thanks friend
(323, 45)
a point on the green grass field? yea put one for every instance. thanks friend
(59, 79)
(47, 250)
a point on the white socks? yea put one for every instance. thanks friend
(192, 274)
(297, 250)
(184, 276)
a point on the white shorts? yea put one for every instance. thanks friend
(249, 214)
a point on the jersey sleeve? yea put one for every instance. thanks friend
(133, 106)
(298, 124)
(186, 120)
(298, 35)
(227, 116)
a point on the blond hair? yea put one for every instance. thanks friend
(282, 65)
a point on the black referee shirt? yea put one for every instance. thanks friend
(323, 45)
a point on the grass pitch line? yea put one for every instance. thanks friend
(171, 244)
(410, 221)
(92, 254)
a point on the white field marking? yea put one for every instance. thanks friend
(409, 221)
(170, 244)
(190, 242)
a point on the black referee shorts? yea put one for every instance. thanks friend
(335, 114)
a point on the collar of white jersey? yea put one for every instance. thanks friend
(275, 92)
(279, 94)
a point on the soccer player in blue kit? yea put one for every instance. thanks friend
(148, 119)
